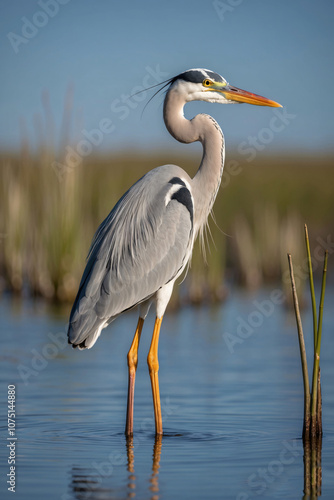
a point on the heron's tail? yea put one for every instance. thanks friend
(84, 329)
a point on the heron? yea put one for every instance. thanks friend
(146, 241)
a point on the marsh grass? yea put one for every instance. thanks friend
(312, 427)
(47, 222)
(312, 400)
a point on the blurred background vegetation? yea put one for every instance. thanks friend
(48, 217)
(104, 56)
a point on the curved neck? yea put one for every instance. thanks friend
(205, 129)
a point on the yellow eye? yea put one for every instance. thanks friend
(207, 83)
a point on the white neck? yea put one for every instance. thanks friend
(205, 129)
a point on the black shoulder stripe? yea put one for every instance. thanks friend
(177, 180)
(183, 196)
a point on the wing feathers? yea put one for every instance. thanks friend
(138, 248)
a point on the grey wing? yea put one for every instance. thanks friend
(143, 244)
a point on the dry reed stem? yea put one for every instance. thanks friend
(307, 397)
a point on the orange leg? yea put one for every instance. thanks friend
(153, 366)
(132, 364)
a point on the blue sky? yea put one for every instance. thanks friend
(104, 50)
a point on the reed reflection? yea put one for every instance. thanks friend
(312, 468)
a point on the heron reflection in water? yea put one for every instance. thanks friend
(146, 241)
(98, 481)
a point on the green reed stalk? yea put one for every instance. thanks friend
(314, 305)
(316, 362)
(307, 396)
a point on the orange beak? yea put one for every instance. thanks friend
(234, 94)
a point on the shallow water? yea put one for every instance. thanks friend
(232, 405)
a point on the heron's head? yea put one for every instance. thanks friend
(205, 85)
